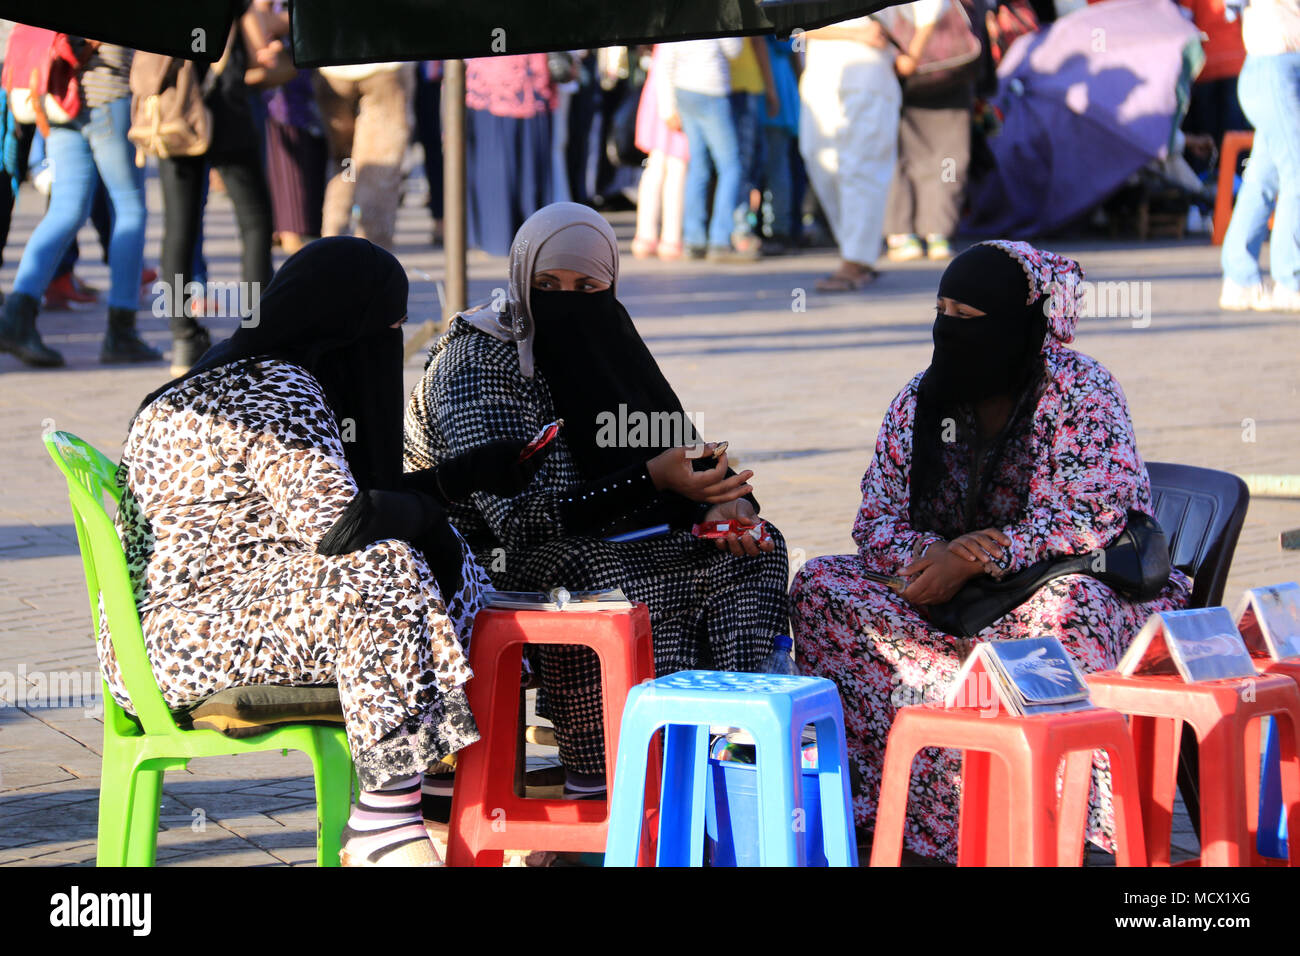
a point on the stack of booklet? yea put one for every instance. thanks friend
(1269, 621)
(1198, 644)
(558, 599)
(1026, 677)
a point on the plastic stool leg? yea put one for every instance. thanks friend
(891, 805)
(1126, 799)
(627, 802)
(781, 822)
(973, 813)
(984, 821)
(1156, 742)
(1225, 840)
(1033, 806)
(838, 837)
(681, 813)
(1072, 817)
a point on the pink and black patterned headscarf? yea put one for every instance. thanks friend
(1057, 278)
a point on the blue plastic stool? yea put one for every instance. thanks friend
(774, 709)
(1271, 837)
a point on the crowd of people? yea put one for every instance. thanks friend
(717, 140)
(732, 149)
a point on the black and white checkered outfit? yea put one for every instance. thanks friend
(708, 608)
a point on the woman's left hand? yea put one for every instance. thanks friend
(938, 575)
(741, 544)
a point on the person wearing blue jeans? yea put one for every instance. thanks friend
(711, 133)
(94, 141)
(1269, 88)
(693, 87)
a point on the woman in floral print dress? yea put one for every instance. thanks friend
(1010, 448)
(273, 539)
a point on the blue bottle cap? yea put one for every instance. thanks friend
(784, 642)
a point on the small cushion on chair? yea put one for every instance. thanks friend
(248, 711)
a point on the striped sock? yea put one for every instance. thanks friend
(435, 796)
(385, 820)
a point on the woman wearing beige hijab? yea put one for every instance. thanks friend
(563, 346)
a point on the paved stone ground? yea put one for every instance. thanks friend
(799, 394)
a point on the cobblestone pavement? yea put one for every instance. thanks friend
(796, 382)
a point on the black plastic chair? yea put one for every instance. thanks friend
(1201, 511)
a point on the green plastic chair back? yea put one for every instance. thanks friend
(139, 749)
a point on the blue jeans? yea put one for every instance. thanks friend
(1269, 88)
(748, 111)
(709, 129)
(96, 141)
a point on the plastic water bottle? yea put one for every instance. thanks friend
(781, 660)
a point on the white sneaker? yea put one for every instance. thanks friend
(1284, 299)
(1243, 298)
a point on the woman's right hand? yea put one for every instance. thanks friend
(672, 470)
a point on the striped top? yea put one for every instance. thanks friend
(700, 66)
(107, 76)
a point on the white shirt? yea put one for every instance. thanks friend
(1270, 27)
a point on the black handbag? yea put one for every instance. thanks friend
(1136, 564)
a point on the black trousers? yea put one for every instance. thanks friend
(182, 187)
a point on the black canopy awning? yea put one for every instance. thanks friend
(358, 31)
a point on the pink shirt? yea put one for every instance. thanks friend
(518, 87)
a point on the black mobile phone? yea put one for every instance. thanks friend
(706, 463)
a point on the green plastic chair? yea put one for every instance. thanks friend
(139, 749)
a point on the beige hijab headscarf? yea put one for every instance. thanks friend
(563, 235)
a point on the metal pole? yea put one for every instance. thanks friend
(453, 185)
(453, 206)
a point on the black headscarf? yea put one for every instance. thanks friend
(594, 360)
(329, 310)
(999, 353)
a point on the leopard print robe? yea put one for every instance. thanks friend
(232, 478)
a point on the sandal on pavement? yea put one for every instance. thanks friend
(643, 248)
(844, 282)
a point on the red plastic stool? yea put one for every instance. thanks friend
(1224, 715)
(1010, 814)
(487, 817)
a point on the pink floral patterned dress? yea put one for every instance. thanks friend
(1077, 468)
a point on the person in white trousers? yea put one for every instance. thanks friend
(848, 135)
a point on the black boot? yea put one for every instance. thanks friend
(122, 343)
(189, 348)
(18, 332)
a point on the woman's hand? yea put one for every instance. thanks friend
(938, 575)
(672, 470)
(904, 65)
(741, 544)
(985, 547)
(674, 122)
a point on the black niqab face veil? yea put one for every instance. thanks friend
(998, 353)
(330, 309)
